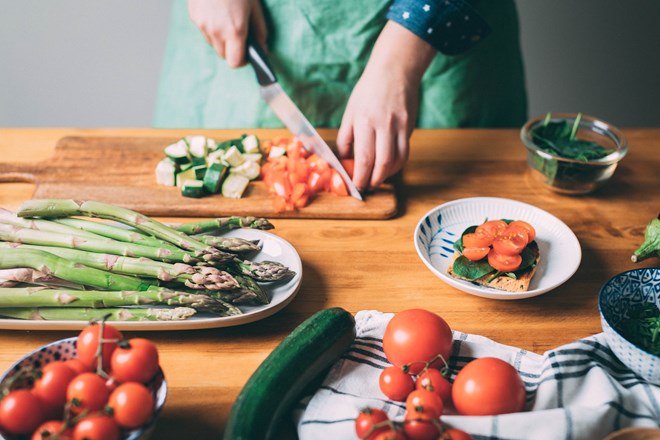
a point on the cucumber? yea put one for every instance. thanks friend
(178, 152)
(214, 176)
(200, 171)
(249, 169)
(234, 186)
(166, 172)
(233, 157)
(296, 362)
(250, 143)
(182, 176)
(193, 188)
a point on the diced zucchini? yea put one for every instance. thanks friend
(178, 152)
(166, 172)
(249, 169)
(182, 176)
(277, 151)
(234, 186)
(253, 157)
(250, 143)
(192, 188)
(226, 145)
(214, 177)
(216, 157)
(197, 145)
(199, 170)
(233, 157)
(197, 161)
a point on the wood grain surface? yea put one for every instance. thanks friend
(121, 170)
(372, 264)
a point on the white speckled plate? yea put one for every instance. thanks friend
(439, 228)
(274, 248)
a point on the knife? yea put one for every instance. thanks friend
(290, 115)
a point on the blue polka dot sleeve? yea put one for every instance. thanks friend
(450, 26)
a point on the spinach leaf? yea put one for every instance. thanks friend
(642, 328)
(471, 269)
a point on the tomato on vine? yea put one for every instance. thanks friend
(395, 383)
(454, 434)
(419, 424)
(21, 412)
(366, 421)
(87, 344)
(132, 405)
(135, 360)
(433, 380)
(52, 429)
(87, 391)
(425, 401)
(96, 427)
(52, 382)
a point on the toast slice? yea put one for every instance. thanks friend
(503, 282)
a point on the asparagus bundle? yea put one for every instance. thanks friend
(88, 264)
(90, 314)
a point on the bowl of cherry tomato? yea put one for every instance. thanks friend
(72, 389)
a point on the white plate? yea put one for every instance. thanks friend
(439, 228)
(274, 248)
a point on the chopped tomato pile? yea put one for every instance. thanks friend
(500, 242)
(295, 177)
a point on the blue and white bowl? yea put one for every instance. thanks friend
(615, 300)
(65, 349)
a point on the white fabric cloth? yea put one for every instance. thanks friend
(576, 391)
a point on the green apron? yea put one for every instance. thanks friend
(318, 49)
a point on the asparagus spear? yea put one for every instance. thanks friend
(11, 277)
(230, 244)
(116, 233)
(9, 218)
(89, 313)
(45, 297)
(263, 270)
(31, 236)
(251, 290)
(195, 277)
(55, 208)
(223, 224)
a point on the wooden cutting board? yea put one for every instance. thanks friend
(121, 171)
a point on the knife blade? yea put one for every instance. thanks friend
(290, 115)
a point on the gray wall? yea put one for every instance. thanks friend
(82, 63)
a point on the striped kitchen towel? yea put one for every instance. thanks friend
(577, 391)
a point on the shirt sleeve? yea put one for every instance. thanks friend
(450, 26)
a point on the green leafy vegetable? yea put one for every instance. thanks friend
(559, 139)
(642, 327)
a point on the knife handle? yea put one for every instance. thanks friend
(257, 58)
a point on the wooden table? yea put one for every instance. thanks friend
(364, 264)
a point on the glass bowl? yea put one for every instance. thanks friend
(573, 176)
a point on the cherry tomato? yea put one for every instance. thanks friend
(96, 427)
(21, 412)
(492, 228)
(415, 336)
(511, 241)
(390, 434)
(395, 383)
(52, 429)
(504, 263)
(475, 253)
(88, 391)
(426, 401)
(433, 380)
(531, 232)
(454, 434)
(488, 386)
(477, 240)
(365, 421)
(52, 383)
(421, 425)
(77, 365)
(132, 405)
(337, 185)
(135, 360)
(88, 343)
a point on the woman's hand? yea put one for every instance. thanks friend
(382, 108)
(224, 24)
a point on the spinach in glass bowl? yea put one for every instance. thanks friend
(572, 153)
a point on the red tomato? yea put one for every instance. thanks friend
(89, 391)
(349, 166)
(531, 232)
(88, 343)
(280, 185)
(421, 425)
(52, 429)
(77, 365)
(425, 401)
(395, 383)
(475, 253)
(21, 412)
(511, 241)
(135, 360)
(433, 380)
(367, 419)
(337, 185)
(96, 427)
(416, 336)
(296, 149)
(492, 228)
(132, 404)
(488, 386)
(52, 383)
(316, 183)
(390, 434)
(454, 434)
(504, 263)
(477, 240)
(279, 204)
